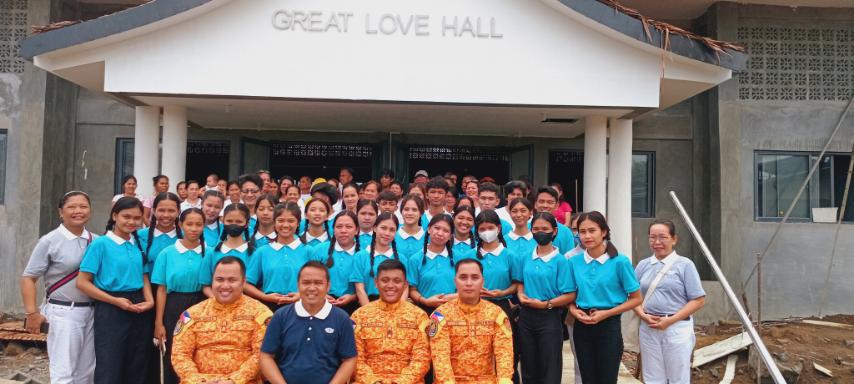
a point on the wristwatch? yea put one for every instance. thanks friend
(549, 304)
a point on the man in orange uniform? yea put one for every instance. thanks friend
(219, 340)
(470, 339)
(390, 333)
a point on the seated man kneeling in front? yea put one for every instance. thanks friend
(219, 340)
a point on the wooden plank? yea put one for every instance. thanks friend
(720, 349)
(822, 369)
(828, 324)
(729, 373)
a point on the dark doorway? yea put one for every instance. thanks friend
(206, 157)
(462, 160)
(321, 160)
(567, 168)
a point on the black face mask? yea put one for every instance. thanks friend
(233, 230)
(543, 238)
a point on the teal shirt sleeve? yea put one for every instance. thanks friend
(627, 274)
(158, 274)
(254, 271)
(506, 227)
(518, 267)
(413, 269)
(91, 262)
(360, 268)
(206, 269)
(564, 241)
(566, 277)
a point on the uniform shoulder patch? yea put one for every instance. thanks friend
(183, 323)
(433, 329)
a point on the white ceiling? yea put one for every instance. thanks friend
(266, 114)
(690, 9)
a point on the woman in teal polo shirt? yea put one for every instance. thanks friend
(234, 241)
(607, 287)
(464, 241)
(163, 231)
(431, 272)
(272, 271)
(366, 211)
(176, 274)
(410, 236)
(367, 261)
(113, 272)
(497, 260)
(212, 202)
(265, 231)
(338, 256)
(520, 240)
(317, 213)
(546, 285)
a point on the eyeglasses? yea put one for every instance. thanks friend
(250, 191)
(662, 239)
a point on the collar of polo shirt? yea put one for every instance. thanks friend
(432, 255)
(271, 236)
(388, 252)
(365, 233)
(70, 236)
(215, 225)
(669, 259)
(405, 235)
(182, 249)
(466, 241)
(601, 259)
(322, 315)
(350, 251)
(321, 238)
(171, 233)
(495, 252)
(514, 236)
(118, 240)
(292, 245)
(242, 248)
(547, 257)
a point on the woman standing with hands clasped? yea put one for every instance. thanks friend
(56, 258)
(113, 272)
(672, 293)
(607, 287)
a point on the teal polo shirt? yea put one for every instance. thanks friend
(545, 277)
(261, 240)
(365, 239)
(520, 246)
(604, 282)
(115, 263)
(341, 270)
(208, 263)
(159, 242)
(312, 241)
(498, 266)
(463, 247)
(564, 241)
(431, 273)
(408, 245)
(177, 268)
(277, 265)
(212, 234)
(362, 268)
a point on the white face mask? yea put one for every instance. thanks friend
(488, 236)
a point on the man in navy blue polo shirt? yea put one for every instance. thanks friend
(309, 341)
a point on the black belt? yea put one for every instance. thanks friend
(71, 303)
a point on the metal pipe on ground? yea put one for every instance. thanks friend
(742, 314)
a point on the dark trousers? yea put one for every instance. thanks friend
(599, 350)
(512, 315)
(122, 341)
(350, 308)
(176, 304)
(541, 345)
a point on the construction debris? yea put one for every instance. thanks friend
(822, 370)
(729, 373)
(720, 349)
(15, 331)
(828, 324)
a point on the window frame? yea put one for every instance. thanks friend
(650, 168)
(120, 163)
(4, 150)
(809, 190)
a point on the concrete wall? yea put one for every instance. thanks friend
(795, 269)
(22, 110)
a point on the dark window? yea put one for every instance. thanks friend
(643, 184)
(124, 162)
(779, 175)
(4, 134)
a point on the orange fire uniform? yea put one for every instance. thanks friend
(213, 340)
(471, 344)
(391, 343)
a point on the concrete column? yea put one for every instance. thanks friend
(174, 143)
(145, 147)
(595, 163)
(620, 185)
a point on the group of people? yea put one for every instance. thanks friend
(330, 281)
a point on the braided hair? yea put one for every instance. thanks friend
(449, 245)
(273, 202)
(162, 196)
(122, 204)
(488, 216)
(383, 217)
(290, 207)
(332, 241)
(308, 224)
(244, 210)
(183, 217)
(466, 208)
